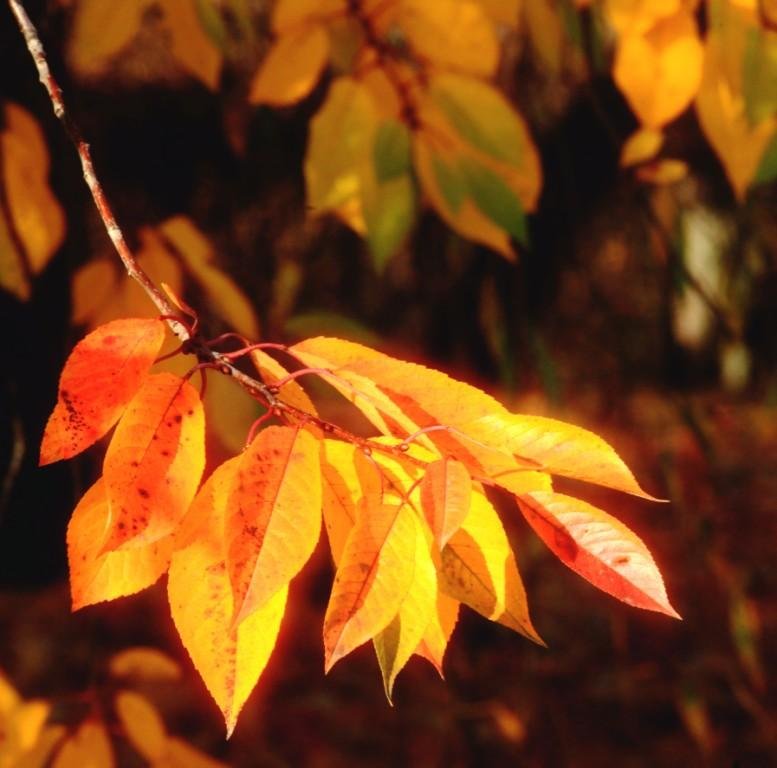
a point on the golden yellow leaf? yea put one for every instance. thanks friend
(272, 372)
(445, 496)
(395, 644)
(36, 217)
(439, 630)
(146, 664)
(229, 658)
(292, 67)
(96, 576)
(9, 698)
(641, 146)
(479, 569)
(720, 107)
(221, 291)
(375, 573)
(88, 747)
(190, 44)
(638, 16)
(143, 726)
(451, 34)
(659, 71)
(100, 30)
(292, 13)
(39, 755)
(503, 11)
(20, 727)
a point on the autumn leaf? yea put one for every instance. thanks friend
(144, 664)
(598, 547)
(292, 67)
(274, 515)
(32, 223)
(374, 576)
(479, 569)
(100, 377)
(142, 724)
(275, 375)
(95, 575)
(229, 658)
(88, 746)
(445, 497)
(288, 14)
(439, 630)
(154, 462)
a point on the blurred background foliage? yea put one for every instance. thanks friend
(637, 297)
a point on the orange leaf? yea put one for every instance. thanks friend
(88, 746)
(274, 515)
(558, 448)
(479, 569)
(445, 493)
(290, 391)
(374, 575)
(143, 725)
(100, 377)
(95, 575)
(230, 659)
(155, 460)
(438, 633)
(598, 547)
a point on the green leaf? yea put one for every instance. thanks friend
(450, 181)
(391, 151)
(495, 199)
(389, 213)
(767, 170)
(759, 76)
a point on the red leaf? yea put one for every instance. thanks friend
(155, 460)
(598, 547)
(100, 377)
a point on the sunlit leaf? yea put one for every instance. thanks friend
(375, 573)
(146, 664)
(445, 497)
(292, 67)
(502, 11)
(641, 146)
(598, 547)
(95, 575)
(292, 13)
(102, 374)
(395, 644)
(274, 515)
(154, 462)
(479, 569)
(142, 724)
(229, 658)
(660, 70)
(36, 217)
(21, 725)
(39, 755)
(439, 630)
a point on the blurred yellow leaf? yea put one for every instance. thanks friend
(179, 754)
(503, 11)
(667, 171)
(20, 726)
(191, 45)
(292, 67)
(88, 747)
(641, 146)
(659, 71)
(545, 28)
(147, 664)
(638, 16)
(142, 724)
(37, 223)
(721, 111)
(340, 140)
(40, 752)
(452, 34)
(100, 30)
(291, 13)
(228, 301)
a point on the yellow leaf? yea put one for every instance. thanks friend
(272, 372)
(97, 576)
(100, 30)
(191, 46)
(146, 664)
(274, 515)
(142, 724)
(720, 107)
(503, 11)
(374, 575)
(292, 13)
(638, 16)
(154, 462)
(20, 728)
(439, 630)
(9, 698)
(229, 658)
(559, 448)
(228, 301)
(88, 747)
(395, 644)
(451, 34)
(641, 146)
(445, 496)
(36, 217)
(660, 70)
(39, 755)
(478, 569)
(292, 67)
(93, 286)
(341, 136)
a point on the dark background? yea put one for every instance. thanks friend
(570, 331)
